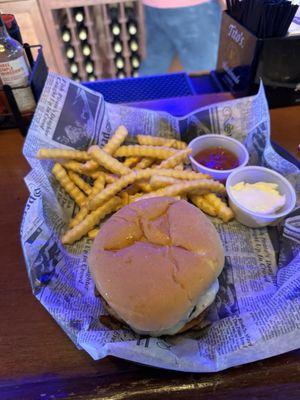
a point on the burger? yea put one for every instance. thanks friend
(155, 264)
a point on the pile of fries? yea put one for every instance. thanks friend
(101, 181)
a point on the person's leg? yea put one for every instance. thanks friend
(159, 48)
(195, 31)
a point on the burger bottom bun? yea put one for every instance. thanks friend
(195, 323)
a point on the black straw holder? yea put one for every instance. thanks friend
(244, 59)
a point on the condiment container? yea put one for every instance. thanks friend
(213, 140)
(253, 174)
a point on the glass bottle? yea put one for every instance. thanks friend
(135, 62)
(119, 62)
(86, 49)
(70, 52)
(66, 35)
(89, 67)
(132, 28)
(73, 68)
(15, 70)
(12, 27)
(117, 45)
(115, 29)
(79, 15)
(133, 44)
(82, 33)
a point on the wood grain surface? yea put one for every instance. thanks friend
(285, 128)
(38, 361)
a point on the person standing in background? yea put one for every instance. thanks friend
(188, 29)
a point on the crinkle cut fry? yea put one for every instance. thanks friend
(107, 161)
(160, 181)
(144, 151)
(148, 140)
(77, 155)
(111, 146)
(204, 205)
(84, 186)
(134, 197)
(161, 141)
(93, 233)
(74, 166)
(61, 175)
(82, 213)
(116, 140)
(116, 187)
(131, 161)
(144, 163)
(99, 184)
(175, 159)
(110, 178)
(124, 196)
(202, 185)
(90, 221)
(90, 166)
(94, 174)
(78, 167)
(111, 190)
(144, 186)
(121, 183)
(180, 167)
(179, 145)
(223, 211)
(186, 175)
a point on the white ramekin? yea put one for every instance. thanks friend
(260, 174)
(212, 140)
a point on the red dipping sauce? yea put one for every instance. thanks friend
(217, 157)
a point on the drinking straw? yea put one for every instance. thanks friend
(264, 18)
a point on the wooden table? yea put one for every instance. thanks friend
(38, 361)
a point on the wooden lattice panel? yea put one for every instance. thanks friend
(96, 39)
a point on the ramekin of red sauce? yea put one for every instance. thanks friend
(217, 155)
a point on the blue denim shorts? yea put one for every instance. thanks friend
(191, 33)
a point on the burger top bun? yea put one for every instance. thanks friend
(153, 260)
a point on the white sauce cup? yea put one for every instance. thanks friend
(213, 140)
(260, 174)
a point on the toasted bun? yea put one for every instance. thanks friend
(153, 260)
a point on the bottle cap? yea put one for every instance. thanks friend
(8, 19)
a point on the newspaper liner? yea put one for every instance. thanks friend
(257, 310)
